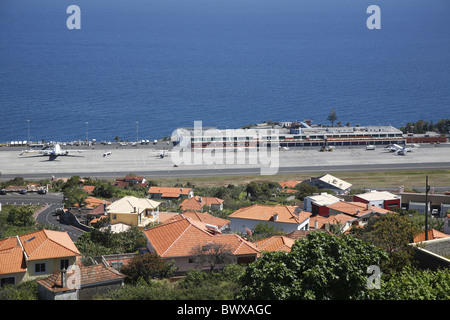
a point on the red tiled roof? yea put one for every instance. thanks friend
(206, 218)
(432, 234)
(197, 203)
(179, 238)
(11, 256)
(275, 243)
(169, 190)
(287, 214)
(48, 244)
(289, 184)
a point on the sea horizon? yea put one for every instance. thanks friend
(147, 68)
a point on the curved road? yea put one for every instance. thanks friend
(48, 216)
(54, 201)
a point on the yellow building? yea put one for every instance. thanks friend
(132, 211)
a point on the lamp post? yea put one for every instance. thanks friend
(137, 131)
(28, 125)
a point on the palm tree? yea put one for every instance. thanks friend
(332, 116)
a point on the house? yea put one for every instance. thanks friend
(36, 254)
(131, 180)
(275, 243)
(285, 218)
(318, 203)
(198, 203)
(132, 211)
(81, 284)
(88, 189)
(92, 202)
(221, 224)
(170, 193)
(355, 209)
(381, 199)
(179, 240)
(344, 221)
(289, 186)
(432, 235)
(432, 254)
(330, 182)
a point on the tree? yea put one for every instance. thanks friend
(147, 266)
(212, 254)
(393, 233)
(332, 117)
(305, 190)
(21, 216)
(320, 266)
(412, 284)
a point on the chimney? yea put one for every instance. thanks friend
(275, 217)
(316, 224)
(200, 199)
(63, 278)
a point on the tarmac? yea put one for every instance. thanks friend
(146, 161)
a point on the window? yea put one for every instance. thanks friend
(114, 216)
(63, 264)
(39, 268)
(5, 281)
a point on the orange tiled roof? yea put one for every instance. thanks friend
(275, 243)
(92, 202)
(286, 214)
(11, 256)
(169, 190)
(289, 184)
(197, 202)
(333, 219)
(48, 244)
(179, 238)
(88, 189)
(206, 218)
(432, 234)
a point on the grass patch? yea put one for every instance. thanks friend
(369, 179)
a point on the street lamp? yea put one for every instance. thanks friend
(28, 125)
(137, 131)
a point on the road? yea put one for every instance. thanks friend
(146, 162)
(47, 216)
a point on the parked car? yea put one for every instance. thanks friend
(42, 191)
(23, 191)
(3, 191)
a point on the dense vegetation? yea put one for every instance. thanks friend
(320, 266)
(442, 126)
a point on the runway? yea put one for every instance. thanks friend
(146, 162)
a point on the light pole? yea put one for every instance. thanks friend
(86, 123)
(28, 125)
(137, 131)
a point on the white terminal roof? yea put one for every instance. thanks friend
(335, 182)
(378, 196)
(128, 204)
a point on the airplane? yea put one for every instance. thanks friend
(398, 149)
(163, 153)
(52, 153)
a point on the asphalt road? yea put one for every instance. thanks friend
(54, 201)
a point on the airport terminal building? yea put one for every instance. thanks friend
(292, 135)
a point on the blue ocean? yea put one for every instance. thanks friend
(142, 68)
